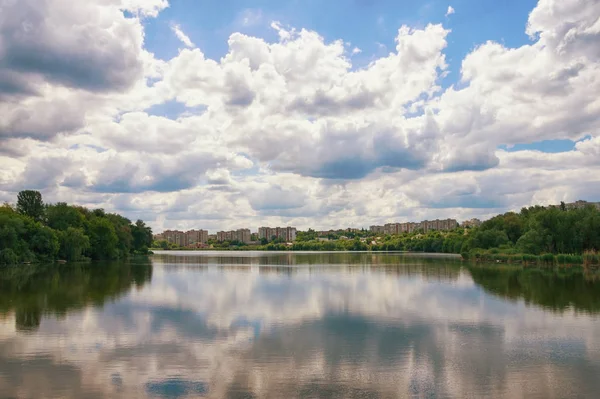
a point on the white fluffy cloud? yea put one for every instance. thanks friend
(289, 131)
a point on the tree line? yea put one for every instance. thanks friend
(32, 231)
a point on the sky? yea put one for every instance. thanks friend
(230, 114)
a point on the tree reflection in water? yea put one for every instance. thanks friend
(32, 291)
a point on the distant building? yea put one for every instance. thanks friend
(175, 237)
(241, 235)
(391, 228)
(376, 229)
(196, 236)
(441, 225)
(471, 223)
(410, 227)
(287, 234)
(185, 239)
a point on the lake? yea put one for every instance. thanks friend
(297, 325)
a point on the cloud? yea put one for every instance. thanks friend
(291, 131)
(450, 11)
(63, 62)
(182, 36)
(275, 198)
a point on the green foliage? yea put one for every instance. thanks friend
(44, 242)
(61, 216)
(8, 257)
(29, 203)
(142, 236)
(103, 239)
(66, 232)
(73, 242)
(537, 230)
(309, 235)
(492, 238)
(162, 244)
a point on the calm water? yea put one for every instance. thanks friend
(278, 325)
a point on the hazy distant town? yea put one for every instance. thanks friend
(201, 238)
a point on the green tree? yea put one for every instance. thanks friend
(532, 242)
(61, 216)
(44, 242)
(142, 236)
(103, 239)
(8, 257)
(123, 229)
(73, 242)
(30, 203)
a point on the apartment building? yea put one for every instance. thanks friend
(175, 237)
(410, 227)
(396, 228)
(184, 239)
(196, 236)
(441, 225)
(376, 229)
(242, 235)
(287, 234)
(391, 228)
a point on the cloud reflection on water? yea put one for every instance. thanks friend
(376, 328)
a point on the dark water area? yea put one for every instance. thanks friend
(297, 325)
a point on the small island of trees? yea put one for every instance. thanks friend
(33, 231)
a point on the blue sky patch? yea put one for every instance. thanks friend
(548, 146)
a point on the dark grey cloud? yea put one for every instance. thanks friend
(323, 103)
(475, 159)
(41, 37)
(276, 198)
(356, 154)
(123, 174)
(42, 120)
(40, 174)
(74, 180)
(51, 44)
(14, 85)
